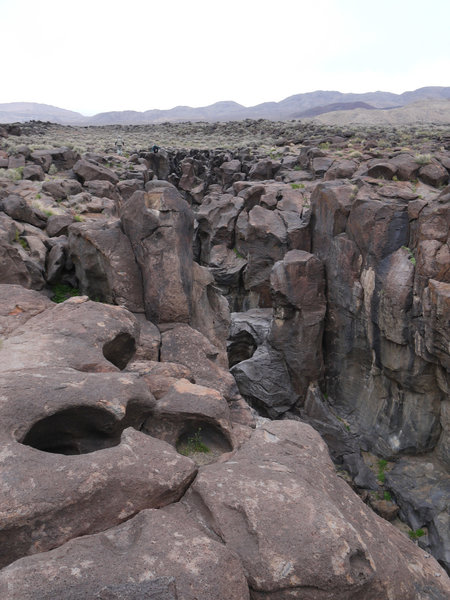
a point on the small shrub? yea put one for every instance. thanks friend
(62, 291)
(238, 254)
(21, 241)
(423, 159)
(297, 186)
(193, 445)
(416, 534)
(411, 256)
(52, 170)
(382, 464)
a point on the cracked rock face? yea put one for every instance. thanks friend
(130, 466)
(157, 554)
(297, 528)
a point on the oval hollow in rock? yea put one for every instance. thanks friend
(120, 350)
(203, 441)
(241, 347)
(78, 430)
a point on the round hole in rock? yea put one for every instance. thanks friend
(202, 441)
(120, 350)
(241, 347)
(77, 430)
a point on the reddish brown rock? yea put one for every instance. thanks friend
(71, 461)
(159, 225)
(261, 237)
(19, 209)
(12, 267)
(188, 412)
(160, 376)
(87, 336)
(342, 169)
(210, 311)
(407, 167)
(105, 265)
(60, 189)
(434, 174)
(216, 222)
(167, 558)
(300, 531)
(17, 306)
(184, 345)
(382, 169)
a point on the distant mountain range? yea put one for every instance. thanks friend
(308, 105)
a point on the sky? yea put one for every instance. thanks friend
(94, 56)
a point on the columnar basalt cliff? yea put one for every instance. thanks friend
(247, 360)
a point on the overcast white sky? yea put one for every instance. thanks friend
(99, 55)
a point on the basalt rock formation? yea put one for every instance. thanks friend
(251, 360)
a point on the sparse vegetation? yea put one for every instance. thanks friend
(193, 445)
(415, 534)
(381, 476)
(20, 240)
(411, 256)
(62, 292)
(423, 159)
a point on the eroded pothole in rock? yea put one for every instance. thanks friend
(73, 431)
(241, 347)
(202, 442)
(120, 350)
(197, 439)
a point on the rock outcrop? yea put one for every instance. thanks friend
(125, 419)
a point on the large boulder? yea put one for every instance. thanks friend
(90, 170)
(186, 346)
(300, 531)
(167, 558)
(19, 209)
(298, 291)
(84, 335)
(159, 225)
(12, 267)
(105, 265)
(73, 461)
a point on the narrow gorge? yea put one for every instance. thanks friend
(225, 371)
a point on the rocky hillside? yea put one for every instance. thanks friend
(224, 371)
(423, 111)
(295, 107)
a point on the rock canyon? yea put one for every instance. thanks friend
(224, 369)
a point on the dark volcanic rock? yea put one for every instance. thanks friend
(17, 208)
(87, 170)
(12, 267)
(184, 345)
(422, 490)
(298, 290)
